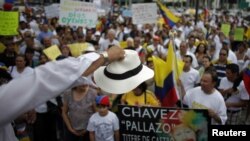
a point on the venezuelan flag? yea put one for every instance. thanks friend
(246, 79)
(166, 74)
(169, 18)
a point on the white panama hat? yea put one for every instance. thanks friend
(122, 76)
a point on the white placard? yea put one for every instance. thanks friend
(75, 13)
(52, 10)
(144, 13)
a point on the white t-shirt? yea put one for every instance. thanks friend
(158, 51)
(15, 74)
(194, 62)
(190, 78)
(197, 99)
(231, 56)
(103, 126)
(225, 84)
(235, 98)
(105, 44)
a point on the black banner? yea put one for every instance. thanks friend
(162, 124)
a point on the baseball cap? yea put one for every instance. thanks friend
(102, 100)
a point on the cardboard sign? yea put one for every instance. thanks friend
(52, 10)
(76, 13)
(225, 28)
(144, 13)
(238, 34)
(77, 48)
(8, 23)
(52, 52)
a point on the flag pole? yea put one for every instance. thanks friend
(180, 90)
(196, 11)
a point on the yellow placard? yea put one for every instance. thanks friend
(123, 44)
(238, 34)
(225, 28)
(8, 23)
(52, 52)
(76, 49)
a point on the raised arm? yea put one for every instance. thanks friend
(48, 81)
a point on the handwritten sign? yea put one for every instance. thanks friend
(238, 34)
(162, 124)
(76, 13)
(77, 48)
(8, 23)
(225, 28)
(52, 52)
(144, 13)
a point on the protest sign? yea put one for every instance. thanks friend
(225, 28)
(52, 10)
(238, 34)
(76, 49)
(144, 13)
(76, 13)
(52, 52)
(161, 124)
(9, 23)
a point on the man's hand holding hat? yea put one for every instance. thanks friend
(115, 53)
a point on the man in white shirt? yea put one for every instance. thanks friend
(231, 55)
(234, 101)
(190, 77)
(207, 97)
(184, 51)
(156, 49)
(110, 41)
